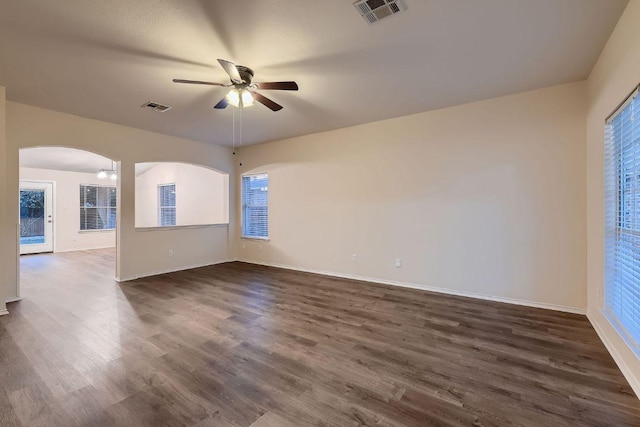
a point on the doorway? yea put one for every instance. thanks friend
(68, 204)
(36, 217)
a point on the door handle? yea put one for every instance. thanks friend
(49, 221)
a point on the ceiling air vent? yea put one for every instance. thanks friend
(375, 10)
(155, 106)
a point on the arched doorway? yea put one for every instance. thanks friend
(68, 204)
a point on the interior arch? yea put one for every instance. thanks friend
(84, 202)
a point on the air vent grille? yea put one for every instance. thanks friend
(155, 106)
(375, 10)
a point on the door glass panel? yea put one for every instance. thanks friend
(32, 212)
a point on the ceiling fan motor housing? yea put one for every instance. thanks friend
(246, 74)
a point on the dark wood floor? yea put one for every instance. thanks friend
(242, 345)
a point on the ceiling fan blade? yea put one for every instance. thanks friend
(197, 82)
(231, 69)
(278, 86)
(266, 101)
(222, 104)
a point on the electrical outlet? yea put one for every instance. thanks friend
(170, 252)
(398, 263)
(354, 258)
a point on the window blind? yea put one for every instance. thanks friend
(255, 213)
(97, 207)
(622, 217)
(166, 205)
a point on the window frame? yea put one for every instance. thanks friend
(81, 207)
(619, 192)
(243, 206)
(161, 207)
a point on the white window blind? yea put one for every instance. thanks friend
(622, 216)
(255, 213)
(97, 207)
(166, 205)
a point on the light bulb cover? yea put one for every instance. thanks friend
(240, 98)
(114, 176)
(102, 174)
(247, 98)
(234, 97)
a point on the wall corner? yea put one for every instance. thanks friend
(5, 276)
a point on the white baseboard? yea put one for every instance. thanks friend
(596, 319)
(14, 299)
(4, 312)
(174, 270)
(526, 303)
(83, 249)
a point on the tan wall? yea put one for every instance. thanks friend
(486, 199)
(7, 245)
(139, 252)
(66, 218)
(201, 194)
(615, 74)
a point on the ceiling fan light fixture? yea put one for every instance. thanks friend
(234, 97)
(240, 98)
(102, 174)
(247, 98)
(114, 176)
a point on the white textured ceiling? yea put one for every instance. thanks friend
(103, 59)
(71, 160)
(63, 159)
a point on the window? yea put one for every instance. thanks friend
(97, 207)
(255, 214)
(166, 205)
(622, 202)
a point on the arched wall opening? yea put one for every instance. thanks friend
(69, 201)
(178, 194)
(140, 252)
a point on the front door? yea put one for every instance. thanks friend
(36, 217)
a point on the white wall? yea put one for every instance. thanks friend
(202, 195)
(7, 245)
(615, 74)
(67, 234)
(484, 199)
(140, 253)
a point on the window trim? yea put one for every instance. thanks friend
(262, 239)
(242, 205)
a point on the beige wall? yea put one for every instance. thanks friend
(202, 194)
(484, 199)
(7, 262)
(139, 252)
(67, 234)
(615, 74)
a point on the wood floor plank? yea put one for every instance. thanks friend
(239, 345)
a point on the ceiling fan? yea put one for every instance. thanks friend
(244, 91)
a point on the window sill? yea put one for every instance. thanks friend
(102, 230)
(180, 227)
(262, 239)
(621, 330)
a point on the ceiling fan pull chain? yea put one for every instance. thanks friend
(233, 131)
